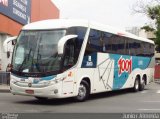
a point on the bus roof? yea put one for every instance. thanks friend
(66, 23)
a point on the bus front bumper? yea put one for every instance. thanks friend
(48, 92)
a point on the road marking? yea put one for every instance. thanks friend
(158, 91)
(149, 109)
(152, 101)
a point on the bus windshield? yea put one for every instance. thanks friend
(36, 51)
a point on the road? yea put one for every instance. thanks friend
(123, 101)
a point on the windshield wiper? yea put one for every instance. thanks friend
(26, 57)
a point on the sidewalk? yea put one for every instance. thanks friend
(4, 88)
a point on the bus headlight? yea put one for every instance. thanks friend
(55, 81)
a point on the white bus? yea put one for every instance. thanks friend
(75, 58)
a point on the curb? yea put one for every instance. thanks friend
(158, 82)
(4, 91)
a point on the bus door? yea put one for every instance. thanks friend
(68, 63)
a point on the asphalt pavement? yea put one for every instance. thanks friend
(124, 101)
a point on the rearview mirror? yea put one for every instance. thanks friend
(62, 42)
(5, 44)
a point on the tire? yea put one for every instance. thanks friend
(83, 91)
(136, 85)
(142, 85)
(41, 98)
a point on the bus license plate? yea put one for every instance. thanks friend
(29, 91)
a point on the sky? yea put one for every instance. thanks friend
(116, 13)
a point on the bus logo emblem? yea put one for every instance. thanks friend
(124, 65)
(89, 62)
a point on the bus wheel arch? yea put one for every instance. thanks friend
(83, 90)
(89, 83)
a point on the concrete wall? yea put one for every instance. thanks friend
(3, 55)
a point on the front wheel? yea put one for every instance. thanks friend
(83, 91)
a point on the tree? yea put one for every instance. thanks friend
(152, 10)
(154, 14)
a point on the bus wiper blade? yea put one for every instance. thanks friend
(26, 57)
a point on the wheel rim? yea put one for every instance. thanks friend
(82, 92)
(136, 85)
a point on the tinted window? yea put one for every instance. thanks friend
(114, 44)
(73, 46)
(94, 43)
(100, 41)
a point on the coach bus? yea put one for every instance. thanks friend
(75, 58)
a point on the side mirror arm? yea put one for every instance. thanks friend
(62, 42)
(7, 41)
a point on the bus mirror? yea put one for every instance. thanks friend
(5, 44)
(62, 42)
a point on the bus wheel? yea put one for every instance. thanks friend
(83, 91)
(41, 98)
(142, 85)
(136, 85)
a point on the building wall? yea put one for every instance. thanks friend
(140, 32)
(133, 30)
(8, 26)
(156, 73)
(4, 60)
(40, 10)
(43, 9)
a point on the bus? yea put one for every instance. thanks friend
(64, 58)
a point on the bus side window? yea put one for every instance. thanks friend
(94, 44)
(107, 39)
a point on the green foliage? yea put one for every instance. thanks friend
(157, 40)
(148, 28)
(153, 13)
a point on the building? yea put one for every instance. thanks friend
(14, 14)
(133, 30)
(141, 32)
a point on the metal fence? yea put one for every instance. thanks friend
(4, 78)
